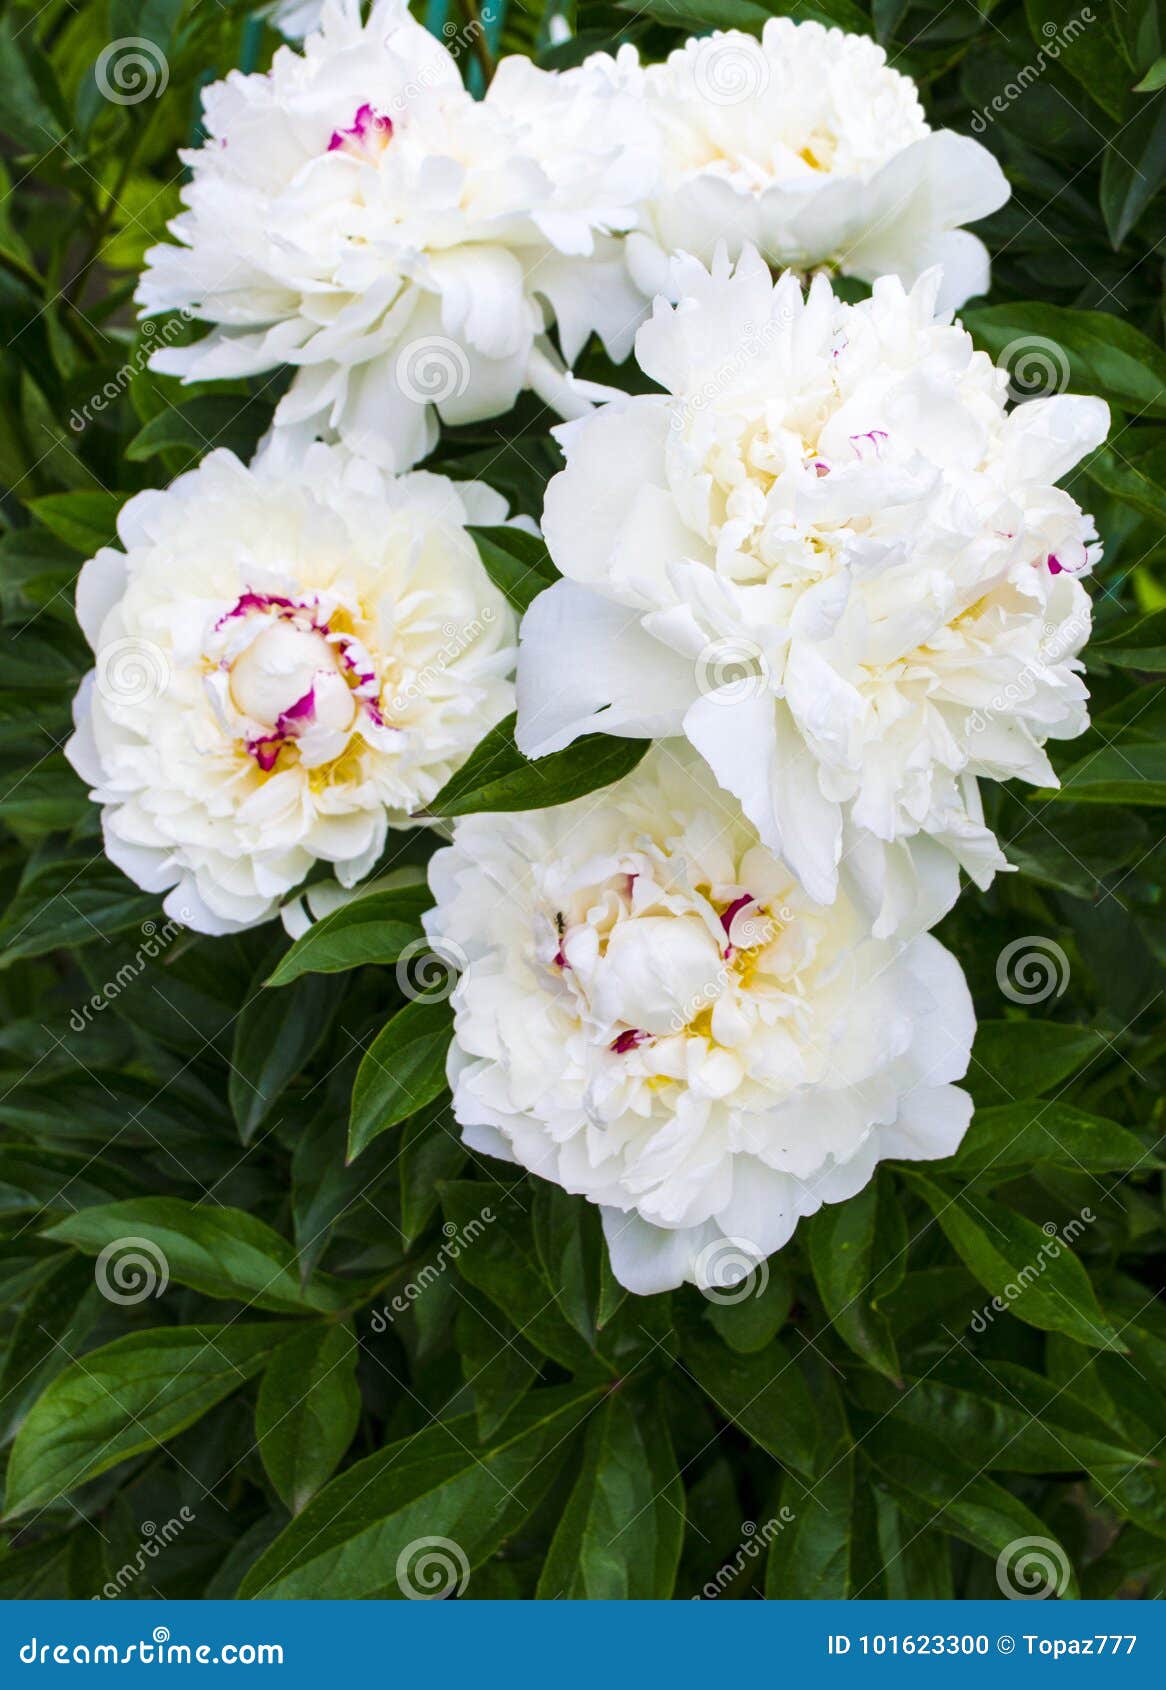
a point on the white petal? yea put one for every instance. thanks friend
(585, 665)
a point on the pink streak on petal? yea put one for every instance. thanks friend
(628, 1041)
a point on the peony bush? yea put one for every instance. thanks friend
(583, 614)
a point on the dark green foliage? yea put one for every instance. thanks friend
(343, 1358)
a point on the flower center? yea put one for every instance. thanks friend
(293, 678)
(643, 977)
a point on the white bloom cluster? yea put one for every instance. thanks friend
(831, 557)
(655, 1015)
(808, 146)
(290, 659)
(356, 214)
(822, 564)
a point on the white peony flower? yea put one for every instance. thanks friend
(807, 145)
(290, 659)
(295, 18)
(356, 214)
(656, 1016)
(830, 557)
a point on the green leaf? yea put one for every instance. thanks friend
(497, 1255)
(1136, 481)
(749, 1325)
(928, 1478)
(367, 1533)
(73, 901)
(916, 1564)
(36, 1181)
(1087, 845)
(32, 120)
(46, 799)
(1131, 774)
(1029, 1270)
(127, 1398)
(811, 1554)
(1017, 1135)
(85, 521)
(1141, 647)
(201, 425)
(497, 1369)
(1086, 351)
(327, 1191)
(373, 929)
(1025, 1058)
(1133, 170)
(518, 563)
(703, 15)
(763, 1394)
(620, 1535)
(843, 1240)
(569, 1242)
(997, 1414)
(1085, 45)
(1154, 78)
(887, 16)
(308, 1410)
(431, 1153)
(218, 1251)
(275, 1037)
(498, 777)
(401, 1072)
(52, 1326)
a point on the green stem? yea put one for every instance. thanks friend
(479, 46)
